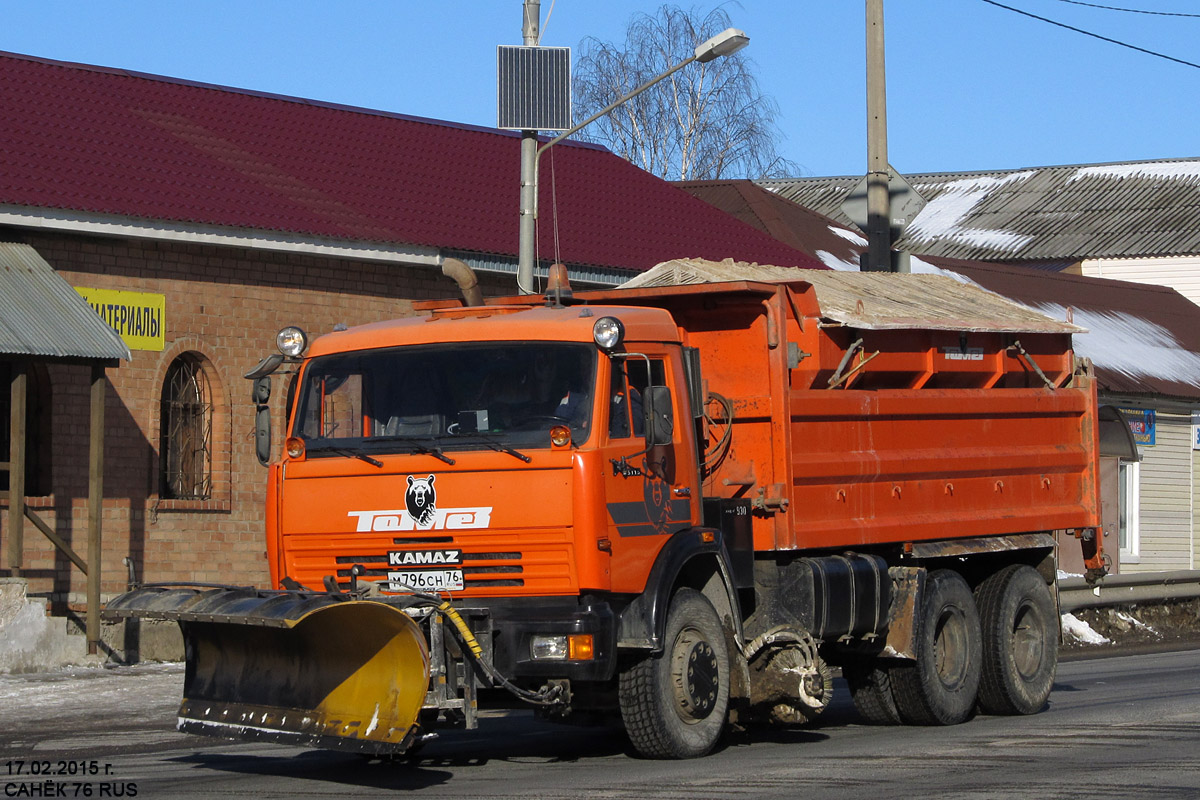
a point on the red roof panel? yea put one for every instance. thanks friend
(106, 141)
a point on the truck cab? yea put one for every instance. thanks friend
(532, 461)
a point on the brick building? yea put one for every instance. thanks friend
(199, 220)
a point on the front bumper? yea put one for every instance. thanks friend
(515, 624)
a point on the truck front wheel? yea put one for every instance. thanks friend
(1020, 641)
(673, 704)
(940, 686)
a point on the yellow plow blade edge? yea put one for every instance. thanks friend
(352, 675)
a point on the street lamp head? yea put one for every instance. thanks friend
(727, 41)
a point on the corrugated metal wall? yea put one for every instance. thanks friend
(1166, 497)
(1195, 511)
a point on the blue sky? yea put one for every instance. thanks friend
(970, 86)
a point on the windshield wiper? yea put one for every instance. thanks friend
(349, 453)
(436, 452)
(492, 444)
(421, 446)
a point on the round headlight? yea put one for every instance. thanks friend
(608, 332)
(291, 341)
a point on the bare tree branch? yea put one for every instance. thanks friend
(705, 122)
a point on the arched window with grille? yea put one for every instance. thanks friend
(186, 437)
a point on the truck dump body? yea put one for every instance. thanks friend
(866, 413)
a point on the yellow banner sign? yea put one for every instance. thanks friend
(137, 317)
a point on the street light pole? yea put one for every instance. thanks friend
(879, 211)
(529, 141)
(724, 43)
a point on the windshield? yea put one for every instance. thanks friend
(446, 397)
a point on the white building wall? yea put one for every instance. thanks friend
(1181, 273)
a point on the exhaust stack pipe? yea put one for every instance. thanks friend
(464, 276)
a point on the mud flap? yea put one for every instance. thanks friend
(295, 668)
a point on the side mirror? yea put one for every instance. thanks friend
(265, 367)
(659, 418)
(260, 393)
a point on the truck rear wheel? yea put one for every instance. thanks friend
(941, 685)
(871, 688)
(1020, 641)
(673, 704)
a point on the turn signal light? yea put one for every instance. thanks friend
(560, 436)
(580, 647)
(294, 446)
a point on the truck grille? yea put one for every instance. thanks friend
(475, 575)
(494, 564)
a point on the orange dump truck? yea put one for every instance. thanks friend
(681, 505)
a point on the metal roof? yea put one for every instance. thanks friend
(41, 315)
(95, 141)
(826, 240)
(1143, 339)
(875, 301)
(1129, 209)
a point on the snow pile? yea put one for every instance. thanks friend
(833, 262)
(1080, 631)
(848, 235)
(922, 267)
(1130, 345)
(72, 693)
(945, 215)
(1164, 170)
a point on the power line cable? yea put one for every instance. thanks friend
(1130, 10)
(1093, 35)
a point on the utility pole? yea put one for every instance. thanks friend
(879, 207)
(529, 143)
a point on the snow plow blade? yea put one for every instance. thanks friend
(294, 667)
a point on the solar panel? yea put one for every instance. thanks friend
(533, 88)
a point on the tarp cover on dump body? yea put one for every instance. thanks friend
(874, 300)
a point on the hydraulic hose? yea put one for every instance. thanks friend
(545, 696)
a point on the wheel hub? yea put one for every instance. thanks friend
(1028, 641)
(950, 646)
(697, 677)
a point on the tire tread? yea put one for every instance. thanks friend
(871, 689)
(997, 695)
(643, 701)
(915, 686)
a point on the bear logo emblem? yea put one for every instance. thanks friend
(421, 501)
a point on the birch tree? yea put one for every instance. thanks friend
(706, 121)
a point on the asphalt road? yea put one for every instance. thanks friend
(1116, 727)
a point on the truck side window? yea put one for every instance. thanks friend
(629, 382)
(342, 406)
(618, 404)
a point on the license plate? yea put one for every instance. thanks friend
(427, 580)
